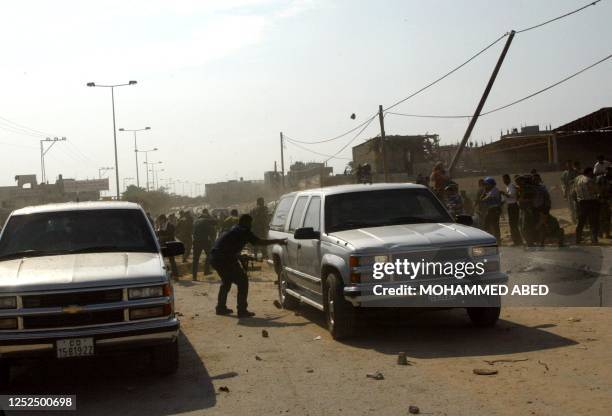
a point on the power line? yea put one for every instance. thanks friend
(513, 102)
(452, 71)
(351, 141)
(333, 138)
(24, 127)
(558, 17)
(313, 151)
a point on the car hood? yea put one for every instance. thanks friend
(411, 236)
(80, 270)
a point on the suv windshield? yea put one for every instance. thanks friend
(379, 208)
(87, 231)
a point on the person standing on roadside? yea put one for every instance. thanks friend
(165, 233)
(230, 221)
(491, 202)
(511, 195)
(261, 221)
(224, 258)
(604, 188)
(184, 231)
(204, 231)
(571, 172)
(438, 180)
(588, 205)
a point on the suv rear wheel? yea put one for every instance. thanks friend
(340, 313)
(287, 301)
(484, 317)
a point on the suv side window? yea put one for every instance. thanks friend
(280, 214)
(298, 210)
(313, 214)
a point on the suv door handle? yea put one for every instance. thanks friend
(299, 245)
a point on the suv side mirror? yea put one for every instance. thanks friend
(306, 233)
(465, 219)
(172, 248)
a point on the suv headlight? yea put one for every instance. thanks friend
(368, 260)
(146, 292)
(484, 251)
(8, 302)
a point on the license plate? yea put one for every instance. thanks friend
(75, 347)
(441, 298)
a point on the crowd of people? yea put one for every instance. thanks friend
(527, 202)
(222, 239)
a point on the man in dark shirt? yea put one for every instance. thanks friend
(204, 231)
(224, 258)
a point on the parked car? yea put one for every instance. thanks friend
(84, 279)
(335, 233)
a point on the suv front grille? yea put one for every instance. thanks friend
(72, 298)
(69, 320)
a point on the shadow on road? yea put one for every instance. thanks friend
(121, 384)
(271, 322)
(443, 333)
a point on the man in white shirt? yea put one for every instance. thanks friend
(513, 210)
(601, 166)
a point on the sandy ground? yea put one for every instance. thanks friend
(555, 361)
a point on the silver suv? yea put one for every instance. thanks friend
(335, 235)
(82, 279)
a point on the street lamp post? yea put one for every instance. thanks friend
(147, 163)
(112, 87)
(136, 151)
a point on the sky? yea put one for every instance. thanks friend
(218, 80)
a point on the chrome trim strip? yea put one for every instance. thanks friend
(170, 335)
(304, 299)
(304, 275)
(163, 280)
(87, 308)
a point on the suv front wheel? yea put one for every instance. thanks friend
(340, 313)
(287, 301)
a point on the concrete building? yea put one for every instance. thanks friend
(404, 153)
(546, 150)
(29, 192)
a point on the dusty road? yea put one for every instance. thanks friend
(564, 364)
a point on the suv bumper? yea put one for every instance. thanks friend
(106, 339)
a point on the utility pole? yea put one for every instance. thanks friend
(104, 169)
(282, 160)
(43, 152)
(481, 104)
(381, 117)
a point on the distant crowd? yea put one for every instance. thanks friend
(199, 232)
(527, 200)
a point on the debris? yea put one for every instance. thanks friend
(239, 335)
(264, 333)
(318, 337)
(591, 339)
(309, 370)
(414, 410)
(197, 314)
(179, 314)
(224, 389)
(572, 319)
(376, 376)
(505, 360)
(401, 359)
(277, 304)
(484, 372)
(258, 358)
(543, 364)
